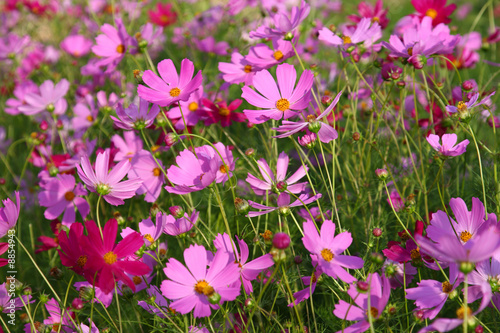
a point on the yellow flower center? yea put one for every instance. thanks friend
(267, 235)
(137, 280)
(373, 312)
(82, 260)
(69, 196)
(462, 106)
(347, 40)
(224, 112)
(327, 254)
(375, 19)
(120, 48)
(90, 118)
(202, 287)
(465, 236)
(156, 172)
(410, 51)
(310, 118)
(447, 287)
(432, 13)
(175, 92)
(248, 68)
(461, 312)
(223, 169)
(193, 106)
(149, 238)
(110, 258)
(278, 55)
(282, 104)
(415, 254)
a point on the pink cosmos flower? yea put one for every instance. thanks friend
(486, 272)
(283, 23)
(222, 112)
(435, 9)
(277, 183)
(135, 117)
(85, 115)
(239, 70)
(128, 146)
(163, 16)
(108, 258)
(197, 287)
(421, 39)
(282, 103)
(76, 45)
(149, 172)
(20, 92)
(171, 87)
(326, 133)
(192, 110)
(262, 56)
(208, 45)
(310, 285)
(6, 301)
(283, 204)
(56, 318)
(464, 107)
(159, 299)
(177, 226)
(71, 252)
(3, 248)
(9, 214)
(112, 44)
(48, 98)
(108, 184)
(60, 195)
(448, 147)
(248, 270)
(378, 291)
(105, 299)
(365, 32)
(376, 13)
(398, 273)
(396, 201)
(326, 249)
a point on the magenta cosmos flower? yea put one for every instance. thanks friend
(447, 148)
(76, 45)
(239, 70)
(379, 290)
(9, 214)
(197, 287)
(149, 171)
(60, 195)
(365, 32)
(49, 97)
(175, 226)
(71, 250)
(283, 204)
(325, 132)
(280, 103)
(112, 44)
(463, 107)
(170, 87)
(222, 112)
(375, 13)
(435, 9)
(108, 184)
(135, 117)
(326, 249)
(191, 109)
(248, 270)
(277, 183)
(107, 258)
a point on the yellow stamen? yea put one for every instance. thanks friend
(110, 258)
(282, 104)
(175, 92)
(327, 254)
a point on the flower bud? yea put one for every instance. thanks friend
(356, 136)
(314, 125)
(143, 44)
(308, 140)
(382, 174)
(297, 260)
(2, 181)
(56, 273)
(419, 315)
(154, 210)
(50, 107)
(326, 100)
(77, 304)
(362, 286)
(177, 211)
(250, 152)
(241, 205)
(27, 291)
(43, 298)
(249, 303)
(278, 255)
(288, 36)
(466, 267)
(44, 125)
(281, 240)
(478, 329)
(86, 293)
(59, 124)
(284, 211)
(214, 298)
(377, 258)
(171, 139)
(377, 232)
(467, 86)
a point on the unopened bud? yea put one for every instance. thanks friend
(284, 211)
(288, 36)
(382, 174)
(466, 267)
(467, 86)
(356, 136)
(250, 152)
(154, 209)
(377, 258)
(171, 139)
(362, 286)
(281, 240)
(44, 125)
(177, 211)
(377, 232)
(56, 273)
(241, 205)
(214, 298)
(2, 181)
(326, 100)
(77, 304)
(297, 260)
(50, 107)
(278, 255)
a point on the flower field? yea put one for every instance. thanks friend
(249, 166)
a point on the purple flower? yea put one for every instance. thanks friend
(378, 293)
(283, 23)
(9, 214)
(326, 249)
(262, 56)
(108, 185)
(463, 107)
(325, 132)
(197, 287)
(248, 270)
(191, 109)
(60, 195)
(85, 115)
(365, 32)
(279, 183)
(489, 273)
(171, 87)
(6, 303)
(396, 201)
(310, 283)
(136, 118)
(239, 70)
(112, 44)
(128, 146)
(448, 147)
(48, 98)
(208, 45)
(76, 45)
(282, 103)
(177, 226)
(26, 87)
(159, 299)
(283, 204)
(149, 172)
